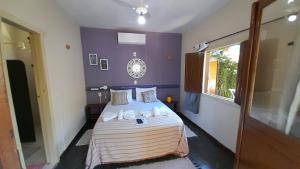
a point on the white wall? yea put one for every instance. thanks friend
(218, 117)
(64, 68)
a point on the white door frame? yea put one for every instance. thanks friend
(42, 87)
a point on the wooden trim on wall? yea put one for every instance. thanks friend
(125, 87)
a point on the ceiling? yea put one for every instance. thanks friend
(165, 15)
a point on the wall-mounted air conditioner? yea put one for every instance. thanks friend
(131, 38)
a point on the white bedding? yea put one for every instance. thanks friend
(136, 106)
(118, 141)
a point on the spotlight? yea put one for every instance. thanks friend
(141, 20)
(292, 17)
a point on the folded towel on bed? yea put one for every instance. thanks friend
(156, 111)
(108, 116)
(129, 115)
(121, 115)
(161, 111)
(146, 114)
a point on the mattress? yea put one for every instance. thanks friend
(119, 141)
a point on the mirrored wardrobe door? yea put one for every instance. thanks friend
(269, 134)
(276, 96)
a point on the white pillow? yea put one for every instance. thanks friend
(129, 93)
(138, 93)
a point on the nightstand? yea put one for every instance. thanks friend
(93, 111)
(172, 105)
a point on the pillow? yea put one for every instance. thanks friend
(138, 93)
(129, 93)
(119, 98)
(149, 96)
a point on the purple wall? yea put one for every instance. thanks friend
(161, 54)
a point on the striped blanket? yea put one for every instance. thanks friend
(119, 141)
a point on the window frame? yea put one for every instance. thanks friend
(206, 74)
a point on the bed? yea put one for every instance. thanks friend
(119, 141)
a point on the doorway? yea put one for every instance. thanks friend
(19, 63)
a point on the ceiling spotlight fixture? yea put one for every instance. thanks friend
(141, 10)
(141, 19)
(290, 1)
(292, 17)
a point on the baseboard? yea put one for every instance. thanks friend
(215, 141)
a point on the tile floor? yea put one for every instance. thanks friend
(34, 153)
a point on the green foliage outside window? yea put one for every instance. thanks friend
(226, 75)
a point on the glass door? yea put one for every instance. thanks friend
(276, 96)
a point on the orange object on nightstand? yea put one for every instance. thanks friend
(169, 99)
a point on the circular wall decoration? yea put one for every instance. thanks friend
(136, 68)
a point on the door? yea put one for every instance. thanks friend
(8, 151)
(20, 94)
(269, 134)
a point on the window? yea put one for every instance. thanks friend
(221, 71)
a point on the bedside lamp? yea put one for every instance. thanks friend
(100, 93)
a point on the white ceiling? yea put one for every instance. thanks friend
(165, 15)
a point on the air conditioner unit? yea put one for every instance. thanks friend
(131, 38)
